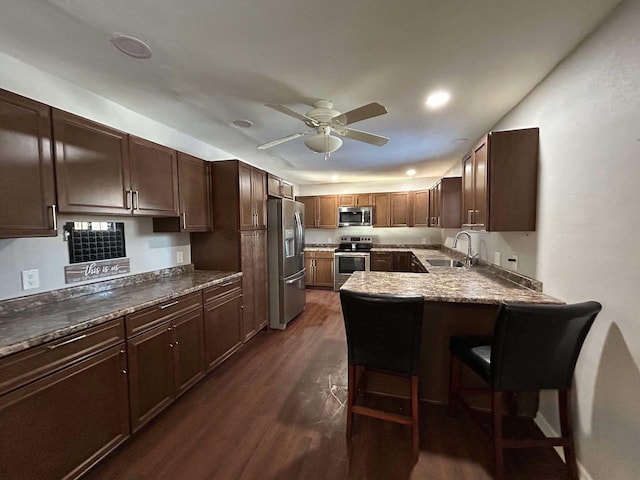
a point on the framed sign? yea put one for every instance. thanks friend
(80, 272)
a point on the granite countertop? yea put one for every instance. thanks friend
(33, 326)
(442, 284)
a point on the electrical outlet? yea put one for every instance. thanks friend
(180, 256)
(513, 262)
(496, 258)
(424, 240)
(328, 239)
(30, 279)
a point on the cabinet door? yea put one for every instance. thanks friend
(328, 211)
(435, 199)
(400, 209)
(401, 261)
(308, 265)
(467, 190)
(310, 213)
(194, 187)
(381, 210)
(347, 200)
(247, 242)
(154, 178)
(381, 262)
(151, 374)
(188, 350)
(92, 166)
(287, 190)
(27, 181)
(480, 183)
(274, 186)
(324, 270)
(450, 202)
(222, 328)
(364, 200)
(261, 287)
(259, 197)
(420, 208)
(61, 425)
(247, 214)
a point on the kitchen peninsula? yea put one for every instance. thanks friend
(458, 301)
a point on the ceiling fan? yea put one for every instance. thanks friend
(323, 120)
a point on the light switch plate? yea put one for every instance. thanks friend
(180, 256)
(496, 258)
(424, 240)
(30, 279)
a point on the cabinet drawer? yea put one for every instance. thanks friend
(212, 293)
(323, 255)
(153, 316)
(27, 366)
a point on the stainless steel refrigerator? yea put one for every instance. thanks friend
(287, 295)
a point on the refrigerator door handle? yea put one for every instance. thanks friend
(296, 277)
(300, 239)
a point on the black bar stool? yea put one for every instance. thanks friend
(533, 347)
(383, 334)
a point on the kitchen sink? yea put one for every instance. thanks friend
(445, 263)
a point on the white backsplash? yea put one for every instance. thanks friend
(395, 235)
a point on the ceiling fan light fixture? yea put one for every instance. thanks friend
(323, 143)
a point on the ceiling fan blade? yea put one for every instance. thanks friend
(292, 113)
(371, 138)
(293, 136)
(358, 114)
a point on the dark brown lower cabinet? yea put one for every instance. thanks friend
(254, 286)
(61, 425)
(166, 359)
(402, 261)
(223, 326)
(382, 261)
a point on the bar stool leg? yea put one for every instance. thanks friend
(415, 424)
(564, 405)
(351, 395)
(496, 407)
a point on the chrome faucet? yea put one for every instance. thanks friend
(468, 260)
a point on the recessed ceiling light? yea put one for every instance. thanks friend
(459, 141)
(132, 46)
(438, 99)
(242, 123)
(335, 178)
(411, 172)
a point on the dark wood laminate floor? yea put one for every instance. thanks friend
(275, 412)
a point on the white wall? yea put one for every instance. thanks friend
(146, 250)
(368, 187)
(588, 111)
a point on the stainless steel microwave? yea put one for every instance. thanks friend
(354, 216)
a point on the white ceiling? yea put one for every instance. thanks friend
(215, 61)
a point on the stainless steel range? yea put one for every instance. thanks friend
(353, 255)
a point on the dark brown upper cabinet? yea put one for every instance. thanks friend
(381, 210)
(27, 188)
(401, 209)
(154, 178)
(355, 200)
(194, 191)
(277, 187)
(92, 166)
(253, 202)
(500, 182)
(320, 211)
(420, 208)
(445, 203)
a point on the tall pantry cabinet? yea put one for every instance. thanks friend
(239, 238)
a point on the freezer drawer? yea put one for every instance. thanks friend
(293, 298)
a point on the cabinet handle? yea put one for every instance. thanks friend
(176, 342)
(75, 339)
(136, 198)
(123, 371)
(171, 345)
(184, 220)
(162, 307)
(123, 351)
(54, 217)
(469, 213)
(127, 201)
